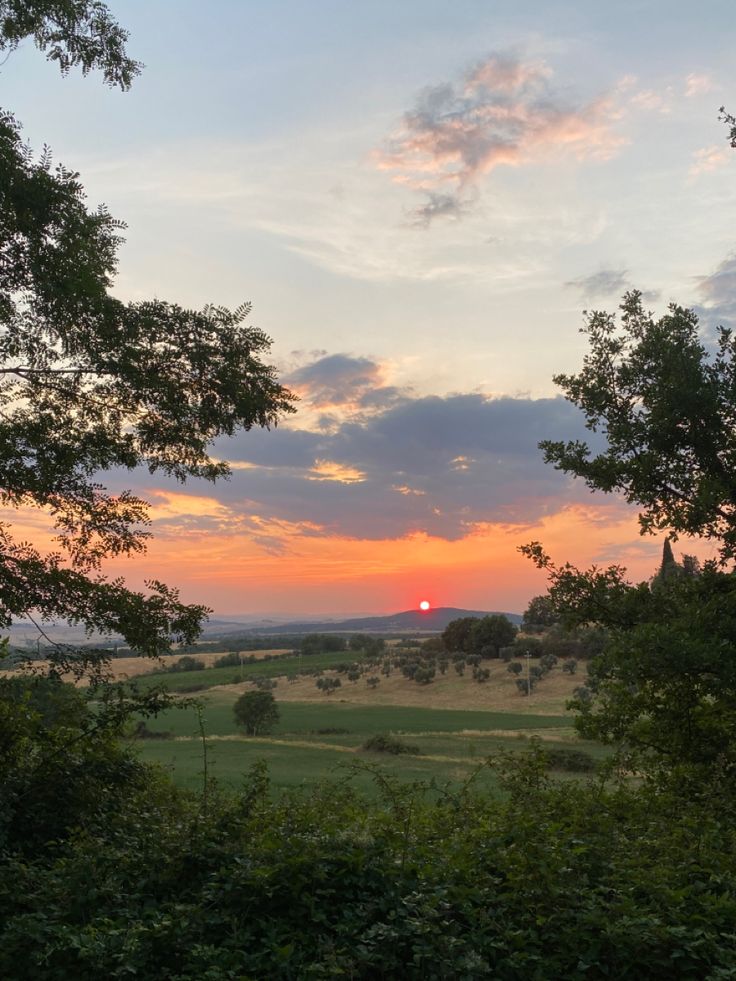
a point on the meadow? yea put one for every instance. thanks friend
(320, 737)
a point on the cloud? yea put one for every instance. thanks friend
(652, 101)
(430, 465)
(698, 84)
(336, 379)
(609, 282)
(708, 159)
(606, 282)
(438, 206)
(501, 112)
(718, 295)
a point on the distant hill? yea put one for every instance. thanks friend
(433, 620)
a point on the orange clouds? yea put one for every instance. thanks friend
(318, 573)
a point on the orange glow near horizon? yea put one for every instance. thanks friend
(254, 565)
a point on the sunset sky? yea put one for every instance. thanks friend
(419, 198)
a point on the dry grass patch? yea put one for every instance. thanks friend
(498, 694)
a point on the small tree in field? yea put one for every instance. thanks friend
(257, 712)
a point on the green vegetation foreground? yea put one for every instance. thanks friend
(108, 871)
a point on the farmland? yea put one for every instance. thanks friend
(455, 724)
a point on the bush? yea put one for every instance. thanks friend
(328, 685)
(265, 684)
(233, 660)
(141, 731)
(387, 743)
(573, 760)
(187, 663)
(322, 644)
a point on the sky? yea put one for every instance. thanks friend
(420, 199)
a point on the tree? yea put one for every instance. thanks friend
(74, 33)
(88, 383)
(457, 633)
(328, 685)
(538, 615)
(322, 643)
(666, 408)
(663, 683)
(257, 712)
(664, 686)
(489, 634)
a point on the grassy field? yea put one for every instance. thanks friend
(211, 677)
(300, 752)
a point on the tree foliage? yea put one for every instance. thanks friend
(664, 685)
(666, 408)
(490, 633)
(89, 383)
(73, 33)
(257, 712)
(538, 615)
(457, 635)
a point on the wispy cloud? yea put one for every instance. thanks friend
(653, 101)
(708, 159)
(502, 111)
(698, 84)
(609, 283)
(605, 282)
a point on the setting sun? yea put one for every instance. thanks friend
(424, 605)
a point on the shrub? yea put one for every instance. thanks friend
(328, 685)
(231, 660)
(187, 663)
(388, 743)
(574, 760)
(265, 684)
(142, 731)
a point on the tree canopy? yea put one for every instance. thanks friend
(89, 383)
(73, 33)
(666, 406)
(257, 712)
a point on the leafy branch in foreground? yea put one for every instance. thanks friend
(73, 33)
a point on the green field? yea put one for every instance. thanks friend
(209, 677)
(452, 742)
